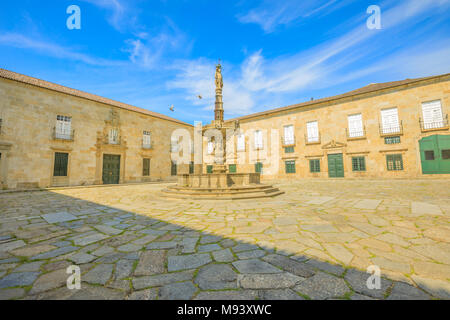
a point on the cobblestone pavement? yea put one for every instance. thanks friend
(314, 242)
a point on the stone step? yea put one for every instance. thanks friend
(264, 193)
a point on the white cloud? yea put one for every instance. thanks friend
(270, 14)
(119, 12)
(51, 49)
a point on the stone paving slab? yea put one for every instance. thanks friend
(314, 242)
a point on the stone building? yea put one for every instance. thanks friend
(389, 130)
(52, 135)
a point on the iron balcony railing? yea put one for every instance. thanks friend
(312, 140)
(391, 130)
(63, 135)
(288, 142)
(432, 125)
(360, 134)
(146, 145)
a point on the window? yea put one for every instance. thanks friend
(209, 169)
(173, 169)
(61, 162)
(314, 165)
(232, 168)
(241, 142)
(174, 145)
(289, 149)
(258, 139)
(429, 155)
(210, 147)
(146, 140)
(114, 136)
(359, 164)
(392, 140)
(290, 166)
(355, 126)
(446, 154)
(394, 162)
(312, 129)
(432, 115)
(191, 167)
(288, 135)
(63, 129)
(146, 167)
(259, 167)
(389, 121)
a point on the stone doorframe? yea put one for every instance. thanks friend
(105, 148)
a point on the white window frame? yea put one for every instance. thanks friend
(259, 143)
(174, 146)
(312, 131)
(147, 139)
(289, 136)
(113, 136)
(240, 142)
(210, 147)
(433, 117)
(355, 125)
(63, 129)
(389, 121)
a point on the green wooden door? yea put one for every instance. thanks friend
(209, 169)
(111, 168)
(258, 167)
(335, 166)
(435, 154)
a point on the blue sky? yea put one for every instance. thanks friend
(156, 53)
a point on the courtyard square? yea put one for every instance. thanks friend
(315, 241)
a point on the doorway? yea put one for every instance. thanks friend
(335, 166)
(111, 169)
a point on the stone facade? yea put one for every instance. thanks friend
(29, 108)
(331, 115)
(28, 145)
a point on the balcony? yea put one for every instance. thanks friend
(288, 142)
(63, 135)
(146, 145)
(386, 131)
(434, 125)
(312, 140)
(356, 135)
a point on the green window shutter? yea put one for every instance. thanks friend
(258, 167)
(232, 168)
(209, 169)
(359, 164)
(288, 149)
(61, 162)
(314, 165)
(146, 167)
(394, 162)
(191, 167)
(173, 169)
(290, 166)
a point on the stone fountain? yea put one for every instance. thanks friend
(220, 184)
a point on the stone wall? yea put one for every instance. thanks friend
(332, 122)
(28, 148)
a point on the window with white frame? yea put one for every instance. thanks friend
(258, 139)
(63, 129)
(432, 115)
(241, 142)
(174, 145)
(114, 136)
(355, 126)
(289, 135)
(312, 130)
(389, 121)
(210, 148)
(146, 140)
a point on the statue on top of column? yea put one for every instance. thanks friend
(219, 81)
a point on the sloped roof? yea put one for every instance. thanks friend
(77, 93)
(373, 87)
